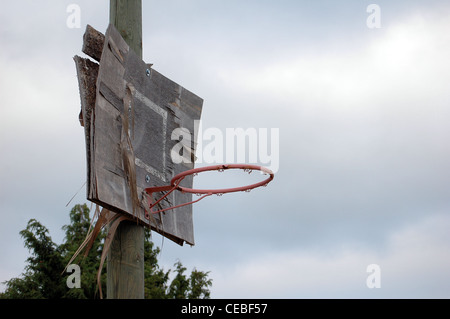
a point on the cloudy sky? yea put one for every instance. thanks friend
(363, 117)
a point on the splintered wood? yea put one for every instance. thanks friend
(129, 112)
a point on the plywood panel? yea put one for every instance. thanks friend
(136, 110)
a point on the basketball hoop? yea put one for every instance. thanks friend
(176, 180)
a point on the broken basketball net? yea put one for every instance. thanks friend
(177, 179)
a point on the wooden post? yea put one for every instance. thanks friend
(126, 16)
(125, 265)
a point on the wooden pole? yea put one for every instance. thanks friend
(126, 16)
(125, 264)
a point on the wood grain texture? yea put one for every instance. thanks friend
(87, 72)
(93, 41)
(126, 16)
(155, 106)
(126, 282)
(126, 279)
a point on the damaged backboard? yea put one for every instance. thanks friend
(129, 111)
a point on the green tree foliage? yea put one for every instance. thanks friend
(44, 275)
(199, 284)
(194, 287)
(75, 233)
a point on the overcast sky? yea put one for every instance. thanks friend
(363, 117)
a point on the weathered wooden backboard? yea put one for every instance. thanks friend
(128, 135)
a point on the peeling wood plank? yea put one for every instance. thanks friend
(93, 41)
(87, 72)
